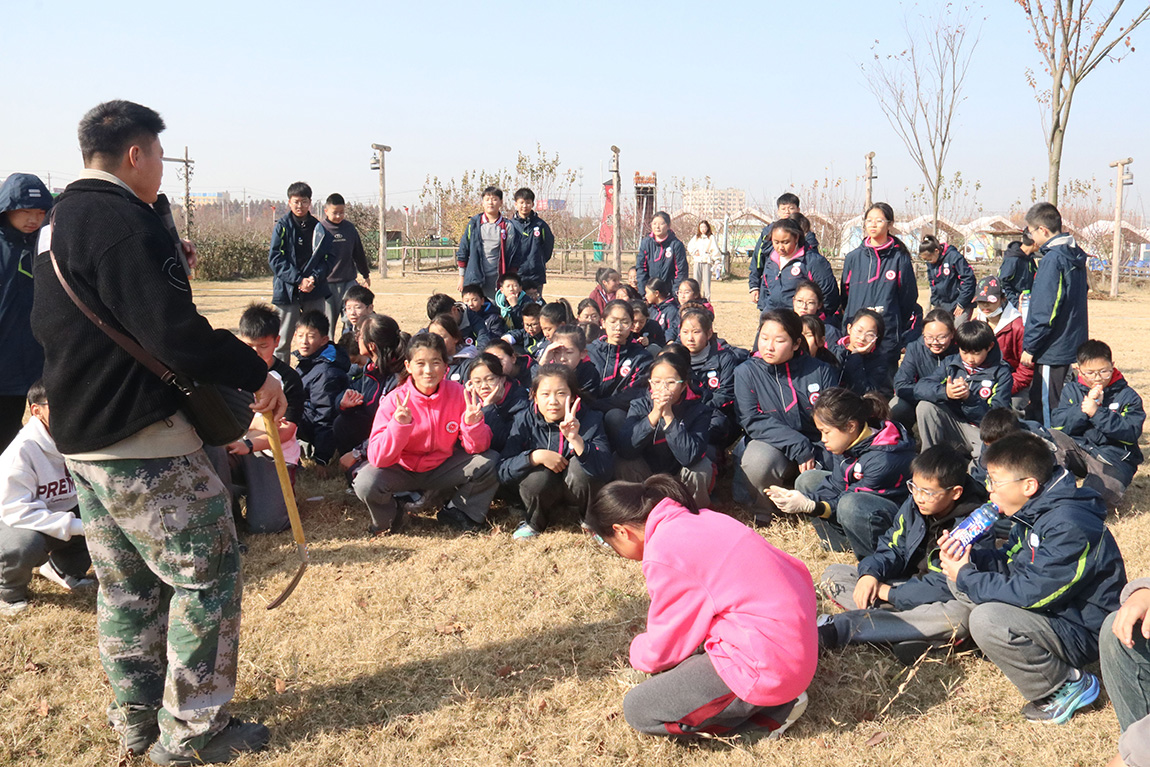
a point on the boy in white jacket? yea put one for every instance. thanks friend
(39, 523)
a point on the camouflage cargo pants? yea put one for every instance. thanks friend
(164, 546)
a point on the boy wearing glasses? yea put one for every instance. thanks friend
(897, 597)
(1040, 600)
(1098, 422)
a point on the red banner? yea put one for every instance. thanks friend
(606, 229)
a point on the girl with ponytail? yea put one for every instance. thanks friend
(384, 346)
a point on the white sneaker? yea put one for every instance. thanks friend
(67, 582)
(797, 711)
(12, 609)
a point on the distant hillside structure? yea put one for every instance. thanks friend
(714, 203)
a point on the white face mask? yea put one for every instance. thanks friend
(995, 313)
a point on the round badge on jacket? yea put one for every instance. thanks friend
(890, 274)
(452, 427)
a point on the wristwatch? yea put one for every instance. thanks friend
(251, 447)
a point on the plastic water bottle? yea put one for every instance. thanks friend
(977, 524)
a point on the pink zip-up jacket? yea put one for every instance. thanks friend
(436, 425)
(714, 581)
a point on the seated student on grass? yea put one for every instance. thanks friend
(530, 337)
(476, 330)
(252, 463)
(568, 348)
(992, 308)
(358, 302)
(775, 393)
(865, 367)
(922, 365)
(897, 597)
(815, 333)
(553, 315)
(808, 300)
(689, 291)
(621, 365)
(1125, 654)
(868, 460)
(511, 300)
(607, 284)
(40, 523)
(952, 282)
(1041, 599)
(516, 367)
(477, 301)
(664, 308)
(1001, 422)
(646, 331)
(459, 353)
(590, 319)
(716, 585)
(429, 436)
(789, 261)
(632, 279)
(384, 346)
(500, 398)
(1098, 423)
(713, 374)
(666, 431)
(322, 367)
(557, 453)
(972, 382)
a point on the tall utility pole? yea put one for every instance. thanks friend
(616, 218)
(1124, 178)
(186, 175)
(378, 164)
(870, 177)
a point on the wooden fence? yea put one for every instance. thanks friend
(575, 262)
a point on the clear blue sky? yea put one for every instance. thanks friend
(267, 93)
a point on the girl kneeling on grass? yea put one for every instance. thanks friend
(429, 436)
(717, 585)
(558, 451)
(855, 502)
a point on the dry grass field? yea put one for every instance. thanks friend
(433, 648)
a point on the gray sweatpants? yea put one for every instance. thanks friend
(937, 426)
(470, 479)
(697, 476)
(691, 698)
(1024, 645)
(256, 478)
(544, 491)
(761, 466)
(938, 622)
(21, 550)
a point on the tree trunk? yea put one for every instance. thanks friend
(1055, 170)
(934, 202)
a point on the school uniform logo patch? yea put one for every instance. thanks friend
(469, 342)
(712, 379)
(625, 368)
(946, 269)
(796, 270)
(537, 233)
(1034, 540)
(984, 392)
(814, 395)
(452, 427)
(890, 274)
(1113, 405)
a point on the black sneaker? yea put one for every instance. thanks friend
(227, 745)
(828, 634)
(137, 727)
(457, 520)
(908, 653)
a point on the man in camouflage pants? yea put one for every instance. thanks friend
(156, 514)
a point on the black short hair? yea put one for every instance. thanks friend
(510, 277)
(38, 393)
(942, 463)
(493, 191)
(974, 336)
(660, 286)
(474, 289)
(1044, 214)
(523, 193)
(788, 198)
(996, 424)
(335, 198)
(259, 320)
(532, 309)
(940, 315)
(110, 129)
(359, 293)
(1094, 350)
(1022, 454)
(299, 189)
(879, 322)
(439, 303)
(558, 312)
(315, 320)
(574, 332)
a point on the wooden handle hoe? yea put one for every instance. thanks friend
(289, 501)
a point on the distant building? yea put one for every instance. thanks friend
(200, 199)
(714, 203)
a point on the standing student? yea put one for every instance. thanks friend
(300, 259)
(879, 275)
(789, 261)
(1018, 271)
(534, 241)
(661, 254)
(1057, 322)
(922, 365)
(952, 283)
(713, 373)
(705, 254)
(489, 246)
(347, 258)
(706, 573)
(24, 202)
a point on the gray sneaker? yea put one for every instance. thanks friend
(228, 745)
(12, 609)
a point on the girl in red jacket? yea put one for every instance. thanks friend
(429, 436)
(1007, 321)
(705, 574)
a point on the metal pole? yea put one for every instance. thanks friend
(726, 245)
(1116, 252)
(380, 152)
(869, 180)
(616, 218)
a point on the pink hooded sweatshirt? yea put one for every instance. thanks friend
(436, 425)
(714, 581)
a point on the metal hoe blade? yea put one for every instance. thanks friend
(289, 500)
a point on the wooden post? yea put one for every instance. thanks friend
(380, 151)
(870, 177)
(616, 218)
(1123, 179)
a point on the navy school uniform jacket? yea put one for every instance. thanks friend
(952, 282)
(864, 372)
(586, 378)
(919, 364)
(622, 371)
(1057, 322)
(714, 378)
(324, 377)
(1112, 432)
(457, 367)
(778, 284)
(1060, 561)
(909, 550)
(989, 387)
(290, 263)
(353, 426)
(978, 468)
(774, 402)
(667, 449)
(653, 332)
(531, 431)
(471, 258)
(534, 245)
(501, 415)
(666, 260)
(878, 463)
(739, 354)
(666, 315)
(21, 358)
(479, 329)
(762, 253)
(1016, 275)
(293, 390)
(884, 281)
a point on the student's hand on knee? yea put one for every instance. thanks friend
(549, 460)
(1136, 608)
(866, 591)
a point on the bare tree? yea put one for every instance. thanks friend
(1069, 38)
(920, 88)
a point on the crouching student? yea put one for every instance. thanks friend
(869, 458)
(865, 367)
(459, 351)
(384, 346)
(429, 436)
(922, 365)
(775, 393)
(607, 284)
(40, 523)
(558, 453)
(1125, 655)
(1098, 424)
(322, 367)
(516, 367)
(1007, 323)
(666, 430)
(1041, 599)
(973, 381)
(568, 348)
(664, 307)
(621, 365)
(713, 373)
(501, 399)
(728, 655)
(898, 597)
(645, 329)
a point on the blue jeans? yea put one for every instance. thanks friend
(858, 521)
(1126, 674)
